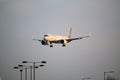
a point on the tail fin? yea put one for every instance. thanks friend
(89, 34)
(69, 33)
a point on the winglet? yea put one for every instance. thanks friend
(89, 34)
(32, 36)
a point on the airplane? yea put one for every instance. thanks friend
(48, 39)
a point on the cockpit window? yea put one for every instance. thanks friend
(45, 35)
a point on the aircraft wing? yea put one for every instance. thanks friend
(37, 40)
(71, 39)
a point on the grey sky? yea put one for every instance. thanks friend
(91, 57)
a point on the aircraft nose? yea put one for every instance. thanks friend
(44, 38)
(45, 35)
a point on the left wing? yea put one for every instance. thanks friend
(71, 39)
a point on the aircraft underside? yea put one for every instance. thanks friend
(57, 42)
(46, 42)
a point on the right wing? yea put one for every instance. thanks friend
(71, 39)
(37, 40)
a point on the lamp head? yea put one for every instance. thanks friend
(36, 67)
(41, 65)
(24, 62)
(15, 67)
(43, 62)
(20, 65)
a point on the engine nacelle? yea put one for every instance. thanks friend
(43, 42)
(64, 42)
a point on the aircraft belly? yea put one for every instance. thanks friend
(56, 42)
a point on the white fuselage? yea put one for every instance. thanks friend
(54, 38)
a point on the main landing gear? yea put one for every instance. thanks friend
(63, 45)
(51, 45)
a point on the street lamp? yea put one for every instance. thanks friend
(107, 73)
(20, 71)
(34, 66)
(24, 67)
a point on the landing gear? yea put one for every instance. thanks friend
(51, 45)
(63, 45)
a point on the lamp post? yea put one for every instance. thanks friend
(34, 66)
(24, 67)
(20, 72)
(107, 73)
(27, 67)
(30, 72)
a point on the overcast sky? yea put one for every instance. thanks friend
(90, 57)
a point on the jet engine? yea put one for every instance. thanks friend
(44, 42)
(64, 42)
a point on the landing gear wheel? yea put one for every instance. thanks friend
(51, 45)
(63, 45)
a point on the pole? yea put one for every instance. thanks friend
(21, 73)
(34, 70)
(30, 72)
(104, 75)
(25, 73)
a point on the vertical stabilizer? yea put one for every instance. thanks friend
(69, 33)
